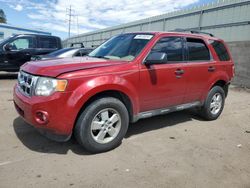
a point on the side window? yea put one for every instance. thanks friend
(172, 46)
(197, 50)
(85, 52)
(22, 43)
(81, 53)
(78, 54)
(47, 42)
(220, 50)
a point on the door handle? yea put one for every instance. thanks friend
(211, 69)
(179, 72)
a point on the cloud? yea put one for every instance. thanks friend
(17, 7)
(91, 15)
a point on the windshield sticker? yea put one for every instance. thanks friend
(145, 37)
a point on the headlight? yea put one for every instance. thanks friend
(47, 86)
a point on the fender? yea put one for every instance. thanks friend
(218, 75)
(100, 84)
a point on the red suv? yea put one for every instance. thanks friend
(129, 77)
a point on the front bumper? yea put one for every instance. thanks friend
(60, 115)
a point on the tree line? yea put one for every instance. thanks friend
(2, 17)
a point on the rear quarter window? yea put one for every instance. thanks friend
(220, 50)
(47, 42)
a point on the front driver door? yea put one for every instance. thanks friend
(164, 85)
(20, 51)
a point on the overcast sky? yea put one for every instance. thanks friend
(91, 14)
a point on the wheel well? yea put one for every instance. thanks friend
(110, 93)
(222, 84)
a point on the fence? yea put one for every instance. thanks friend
(227, 19)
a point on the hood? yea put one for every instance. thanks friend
(55, 67)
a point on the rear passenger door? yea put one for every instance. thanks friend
(199, 68)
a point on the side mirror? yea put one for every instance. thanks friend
(7, 47)
(156, 58)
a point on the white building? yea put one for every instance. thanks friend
(8, 30)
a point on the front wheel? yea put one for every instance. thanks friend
(214, 104)
(102, 125)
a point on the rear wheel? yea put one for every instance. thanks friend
(102, 125)
(214, 103)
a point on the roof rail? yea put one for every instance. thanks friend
(80, 43)
(193, 31)
(201, 32)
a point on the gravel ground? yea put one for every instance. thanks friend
(175, 150)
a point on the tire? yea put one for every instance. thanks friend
(93, 128)
(214, 104)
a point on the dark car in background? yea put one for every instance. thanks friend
(18, 49)
(62, 53)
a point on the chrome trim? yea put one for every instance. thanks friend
(165, 110)
(26, 83)
(147, 114)
(162, 111)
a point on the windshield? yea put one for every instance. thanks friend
(59, 52)
(4, 40)
(124, 47)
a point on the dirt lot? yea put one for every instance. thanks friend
(175, 150)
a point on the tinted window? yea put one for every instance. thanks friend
(172, 46)
(47, 42)
(78, 54)
(220, 50)
(197, 50)
(22, 43)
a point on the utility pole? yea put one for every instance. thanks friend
(77, 24)
(70, 15)
(71, 18)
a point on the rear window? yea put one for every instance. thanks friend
(47, 42)
(197, 50)
(220, 50)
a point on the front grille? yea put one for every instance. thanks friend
(26, 83)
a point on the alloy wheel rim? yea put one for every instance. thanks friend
(216, 104)
(106, 125)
